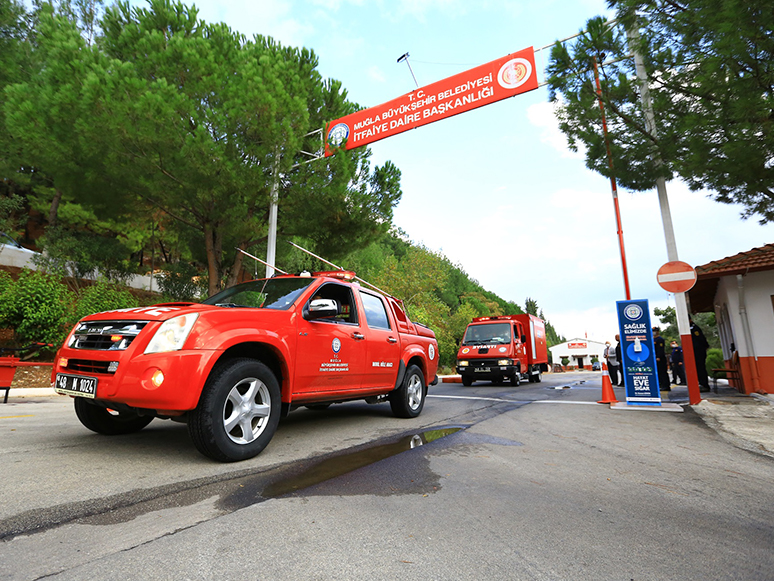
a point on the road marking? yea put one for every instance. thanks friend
(9, 417)
(471, 397)
(513, 400)
(572, 402)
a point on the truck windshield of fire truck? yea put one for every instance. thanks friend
(492, 333)
(270, 293)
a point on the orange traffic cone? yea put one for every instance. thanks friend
(608, 396)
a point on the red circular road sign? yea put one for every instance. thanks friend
(676, 277)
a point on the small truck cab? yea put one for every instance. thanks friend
(509, 347)
(230, 366)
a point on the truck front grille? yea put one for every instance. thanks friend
(86, 366)
(482, 363)
(105, 335)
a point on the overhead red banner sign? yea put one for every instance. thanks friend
(485, 84)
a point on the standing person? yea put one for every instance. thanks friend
(659, 346)
(612, 363)
(676, 359)
(619, 362)
(700, 346)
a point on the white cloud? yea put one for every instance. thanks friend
(376, 74)
(543, 116)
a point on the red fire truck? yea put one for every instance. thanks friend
(509, 347)
(232, 365)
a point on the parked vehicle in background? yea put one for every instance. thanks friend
(511, 347)
(14, 254)
(232, 365)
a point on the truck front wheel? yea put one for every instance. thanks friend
(408, 400)
(238, 411)
(467, 381)
(109, 422)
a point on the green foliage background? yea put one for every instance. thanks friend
(144, 140)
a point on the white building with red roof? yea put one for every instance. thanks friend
(739, 289)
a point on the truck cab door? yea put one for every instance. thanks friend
(383, 344)
(519, 347)
(331, 351)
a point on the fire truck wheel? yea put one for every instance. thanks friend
(238, 411)
(109, 422)
(536, 377)
(467, 381)
(516, 378)
(408, 400)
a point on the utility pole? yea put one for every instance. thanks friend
(681, 302)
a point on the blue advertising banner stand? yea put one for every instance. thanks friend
(638, 354)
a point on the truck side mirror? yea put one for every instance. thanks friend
(523, 338)
(321, 308)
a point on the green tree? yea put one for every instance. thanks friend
(705, 321)
(709, 68)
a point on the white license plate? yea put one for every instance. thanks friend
(482, 370)
(76, 385)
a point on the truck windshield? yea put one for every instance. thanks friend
(492, 333)
(270, 293)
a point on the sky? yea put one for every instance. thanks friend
(496, 189)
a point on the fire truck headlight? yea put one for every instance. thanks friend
(172, 334)
(462, 363)
(504, 362)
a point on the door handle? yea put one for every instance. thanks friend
(358, 336)
(392, 340)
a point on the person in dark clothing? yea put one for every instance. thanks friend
(620, 361)
(612, 363)
(678, 368)
(700, 346)
(659, 346)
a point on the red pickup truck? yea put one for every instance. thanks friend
(232, 365)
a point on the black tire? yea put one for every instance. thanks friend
(536, 377)
(108, 422)
(238, 411)
(516, 378)
(408, 400)
(467, 381)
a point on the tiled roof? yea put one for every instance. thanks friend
(761, 258)
(702, 295)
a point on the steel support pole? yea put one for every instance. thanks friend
(613, 186)
(681, 302)
(271, 244)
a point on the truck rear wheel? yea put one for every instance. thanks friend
(238, 411)
(536, 376)
(408, 400)
(109, 422)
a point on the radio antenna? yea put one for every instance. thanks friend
(261, 261)
(329, 263)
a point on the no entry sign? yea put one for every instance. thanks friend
(676, 277)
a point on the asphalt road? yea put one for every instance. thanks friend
(490, 482)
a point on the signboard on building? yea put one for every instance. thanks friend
(638, 353)
(479, 86)
(577, 345)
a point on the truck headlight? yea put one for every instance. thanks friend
(504, 362)
(462, 363)
(172, 334)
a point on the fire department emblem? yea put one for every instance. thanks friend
(336, 345)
